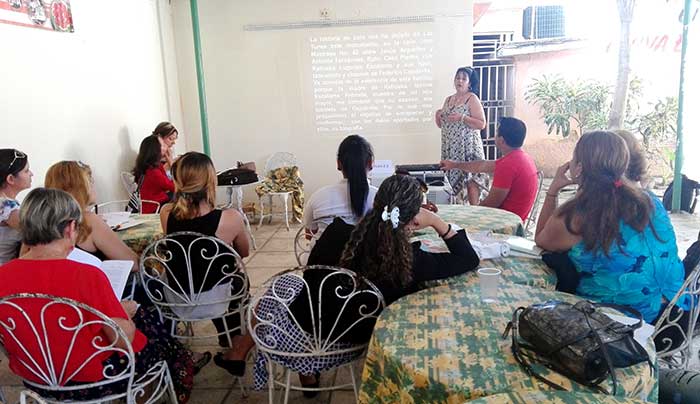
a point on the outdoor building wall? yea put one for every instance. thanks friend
(91, 95)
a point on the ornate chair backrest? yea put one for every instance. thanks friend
(28, 396)
(348, 303)
(303, 241)
(41, 333)
(180, 271)
(669, 320)
(126, 205)
(280, 159)
(128, 182)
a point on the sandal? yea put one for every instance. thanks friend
(234, 367)
(202, 362)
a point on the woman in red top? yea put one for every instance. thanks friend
(149, 173)
(49, 219)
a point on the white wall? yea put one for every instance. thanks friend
(256, 82)
(91, 95)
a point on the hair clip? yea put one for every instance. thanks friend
(393, 216)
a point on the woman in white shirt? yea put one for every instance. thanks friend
(348, 199)
(15, 177)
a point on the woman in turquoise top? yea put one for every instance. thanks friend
(619, 238)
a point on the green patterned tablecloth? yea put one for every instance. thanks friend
(139, 237)
(478, 219)
(553, 397)
(443, 345)
(519, 270)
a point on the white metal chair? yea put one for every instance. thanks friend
(679, 357)
(277, 160)
(303, 242)
(191, 277)
(28, 396)
(357, 301)
(124, 206)
(129, 183)
(46, 318)
(535, 210)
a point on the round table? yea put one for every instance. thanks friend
(444, 345)
(482, 219)
(519, 270)
(553, 397)
(139, 237)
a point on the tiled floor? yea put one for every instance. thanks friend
(213, 385)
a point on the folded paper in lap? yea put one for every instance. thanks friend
(117, 271)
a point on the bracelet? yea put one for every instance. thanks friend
(449, 229)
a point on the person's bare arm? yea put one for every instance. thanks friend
(477, 166)
(551, 233)
(127, 326)
(109, 243)
(164, 213)
(233, 228)
(495, 197)
(477, 120)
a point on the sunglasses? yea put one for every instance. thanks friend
(18, 155)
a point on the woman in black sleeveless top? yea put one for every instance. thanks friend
(193, 210)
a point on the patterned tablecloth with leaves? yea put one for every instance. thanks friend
(482, 219)
(553, 397)
(139, 237)
(443, 345)
(520, 270)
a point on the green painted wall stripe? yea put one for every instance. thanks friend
(200, 78)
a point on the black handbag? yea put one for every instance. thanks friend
(236, 176)
(577, 341)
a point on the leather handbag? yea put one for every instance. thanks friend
(577, 341)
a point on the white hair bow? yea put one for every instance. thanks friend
(393, 216)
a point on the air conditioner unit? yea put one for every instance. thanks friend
(543, 22)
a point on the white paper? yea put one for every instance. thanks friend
(115, 218)
(641, 334)
(524, 246)
(127, 225)
(117, 271)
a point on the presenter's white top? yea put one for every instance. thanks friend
(333, 201)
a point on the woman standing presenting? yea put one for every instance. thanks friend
(461, 118)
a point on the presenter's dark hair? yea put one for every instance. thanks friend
(512, 130)
(355, 156)
(473, 78)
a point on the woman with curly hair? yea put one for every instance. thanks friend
(380, 250)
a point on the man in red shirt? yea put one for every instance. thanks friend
(514, 175)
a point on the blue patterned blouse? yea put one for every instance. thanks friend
(638, 271)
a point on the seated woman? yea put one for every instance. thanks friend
(637, 167)
(15, 177)
(94, 236)
(50, 220)
(149, 174)
(167, 135)
(379, 249)
(349, 199)
(618, 237)
(193, 210)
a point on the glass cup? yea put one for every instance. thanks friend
(488, 283)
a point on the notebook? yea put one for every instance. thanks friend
(117, 271)
(523, 246)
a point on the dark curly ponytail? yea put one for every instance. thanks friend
(376, 249)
